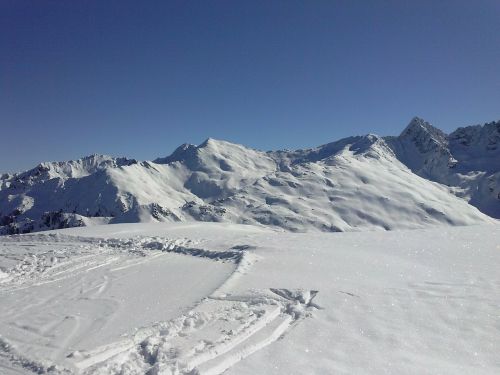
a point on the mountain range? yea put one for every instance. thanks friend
(423, 177)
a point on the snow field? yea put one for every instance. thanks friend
(246, 300)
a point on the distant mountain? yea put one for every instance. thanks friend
(421, 178)
(468, 160)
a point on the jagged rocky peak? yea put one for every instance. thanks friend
(419, 129)
(425, 137)
(477, 147)
(424, 149)
(487, 135)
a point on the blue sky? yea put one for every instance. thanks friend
(137, 78)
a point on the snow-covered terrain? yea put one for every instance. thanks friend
(179, 286)
(357, 183)
(208, 298)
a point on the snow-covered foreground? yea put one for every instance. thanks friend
(206, 298)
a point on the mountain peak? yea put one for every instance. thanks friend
(215, 143)
(189, 151)
(417, 125)
(184, 151)
(419, 130)
(209, 142)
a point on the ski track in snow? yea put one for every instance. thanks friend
(221, 330)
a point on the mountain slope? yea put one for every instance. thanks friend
(361, 185)
(353, 184)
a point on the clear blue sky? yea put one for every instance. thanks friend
(138, 78)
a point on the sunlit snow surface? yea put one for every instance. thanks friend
(208, 298)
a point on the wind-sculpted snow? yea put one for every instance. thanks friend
(357, 183)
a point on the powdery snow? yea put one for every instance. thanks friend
(206, 298)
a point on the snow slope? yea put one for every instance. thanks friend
(357, 183)
(208, 298)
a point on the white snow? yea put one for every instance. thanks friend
(207, 298)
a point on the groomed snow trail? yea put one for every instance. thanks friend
(71, 304)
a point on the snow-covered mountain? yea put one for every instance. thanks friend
(468, 159)
(363, 182)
